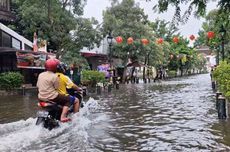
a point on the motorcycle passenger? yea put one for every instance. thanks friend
(48, 83)
(66, 83)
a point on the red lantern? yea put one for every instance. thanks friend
(130, 40)
(192, 37)
(144, 41)
(210, 34)
(160, 41)
(119, 39)
(176, 40)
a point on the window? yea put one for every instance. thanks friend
(16, 43)
(27, 47)
(6, 40)
(0, 38)
(4, 5)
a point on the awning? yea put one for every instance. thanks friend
(30, 67)
(87, 54)
(8, 50)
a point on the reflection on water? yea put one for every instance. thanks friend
(16, 107)
(176, 115)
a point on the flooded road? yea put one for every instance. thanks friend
(175, 115)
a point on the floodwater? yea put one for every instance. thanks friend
(175, 115)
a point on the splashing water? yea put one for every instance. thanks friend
(24, 135)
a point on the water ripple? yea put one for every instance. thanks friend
(175, 115)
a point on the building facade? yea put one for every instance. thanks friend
(209, 55)
(11, 39)
(16, 54)
(5, 14)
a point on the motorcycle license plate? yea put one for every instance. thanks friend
(42, 113)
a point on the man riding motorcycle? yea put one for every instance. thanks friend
(66, 83)
(48, 83)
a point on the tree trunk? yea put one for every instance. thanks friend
(64, 4)
(49, 10)
(144, 79)
(124, 75)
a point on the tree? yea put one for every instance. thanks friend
(58, 22)
(126, 19)
(74, 6)
(214, 20)
(163, 29)
(53, 25)
(198, 6)
(87, 33)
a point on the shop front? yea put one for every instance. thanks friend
(30, 64)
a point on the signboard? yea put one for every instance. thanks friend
(104, 68)
(30, 60)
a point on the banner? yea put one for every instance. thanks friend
(104, 68)
(30, 60)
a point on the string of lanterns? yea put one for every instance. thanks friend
(175, 39)
(144, 41)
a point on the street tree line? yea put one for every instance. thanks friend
(127, 19)
(217, 21)
(60, 22)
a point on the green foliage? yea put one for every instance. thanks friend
(172, 73)
(52, 22)
(214, 21)
(127, 19)
(222, 75)
(163, 29)
(91, 77)
(10, 80)
(58, 22)
(72, 57)
(184, 57)
(173, 63)
(196, 6)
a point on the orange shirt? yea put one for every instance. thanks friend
(47, 85)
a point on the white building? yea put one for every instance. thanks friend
(11, 39)
(102, 49)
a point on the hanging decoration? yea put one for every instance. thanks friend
(119, 39)
(145, 41)
(35, 42)
(192, 37)
(160, 41)
(176, 40)
(130, 40)
(210, 34)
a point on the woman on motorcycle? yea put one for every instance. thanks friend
(48, 84)
(66, 83)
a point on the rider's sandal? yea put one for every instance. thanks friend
(66, 120)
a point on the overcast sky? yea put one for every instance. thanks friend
(94, 8)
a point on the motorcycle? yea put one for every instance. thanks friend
(49, 114)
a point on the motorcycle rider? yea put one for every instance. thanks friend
(66, 83)
(48, 83)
